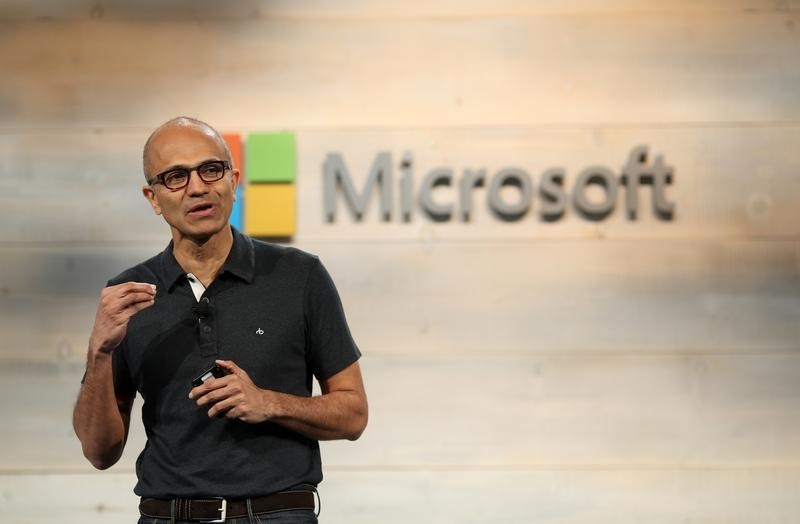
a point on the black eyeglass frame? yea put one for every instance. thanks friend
(161, 177)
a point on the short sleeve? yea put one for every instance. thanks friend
(123, 384)
(329, 342)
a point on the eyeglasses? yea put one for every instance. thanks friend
(178, 178)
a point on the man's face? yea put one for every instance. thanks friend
(200, 209)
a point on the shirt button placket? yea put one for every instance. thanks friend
(206, 338)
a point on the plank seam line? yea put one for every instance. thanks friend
(458, 468)
(404, 17)
(100, 130)
(326, 240)
(12, 366)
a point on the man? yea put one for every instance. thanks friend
(239, 442)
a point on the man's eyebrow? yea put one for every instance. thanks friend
(184, 166)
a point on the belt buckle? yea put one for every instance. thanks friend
(223, 510)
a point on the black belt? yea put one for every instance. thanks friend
(218, 509)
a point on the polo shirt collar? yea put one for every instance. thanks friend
(240, 262)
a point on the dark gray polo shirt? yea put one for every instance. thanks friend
(275, 312)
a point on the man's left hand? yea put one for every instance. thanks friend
(235, 396)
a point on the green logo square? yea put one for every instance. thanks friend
(270, 157)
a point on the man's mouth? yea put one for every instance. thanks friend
(203, 209)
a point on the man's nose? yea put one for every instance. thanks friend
(196, 185)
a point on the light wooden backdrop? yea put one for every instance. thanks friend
(581, 372)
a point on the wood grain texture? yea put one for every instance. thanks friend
(86, 186)
(573, 372)
(717, 191)
(444, 298)
(571, 411)
(548, 69)
(619, 496)
(344, 9)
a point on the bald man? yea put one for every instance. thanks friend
(221, 335)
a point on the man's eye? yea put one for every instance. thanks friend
(211, 169)
(175, 177)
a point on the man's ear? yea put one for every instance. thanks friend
(236, 178)
(150, 196)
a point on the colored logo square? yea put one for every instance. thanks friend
(265, 203)
(234, 142)
(270, 210)
(270, 157)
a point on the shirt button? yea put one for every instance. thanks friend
(206, 329)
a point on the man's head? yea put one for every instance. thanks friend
(201, 208)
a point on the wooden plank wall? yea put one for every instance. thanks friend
(575, 371)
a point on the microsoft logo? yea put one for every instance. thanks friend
(266, 197)
(265, 200)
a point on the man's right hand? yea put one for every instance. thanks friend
(117, 305)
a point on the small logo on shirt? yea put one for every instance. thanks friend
(259, 331)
